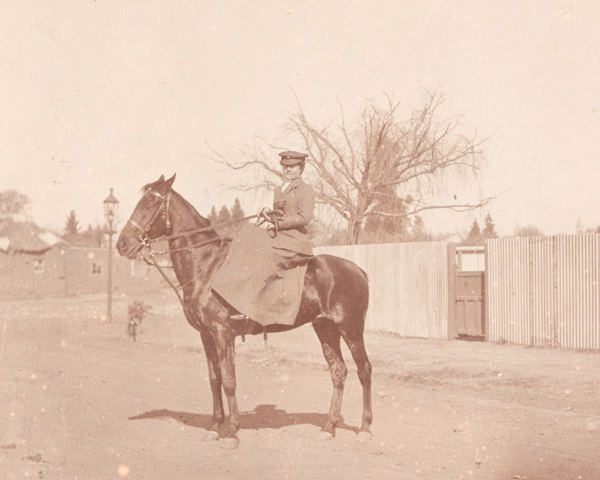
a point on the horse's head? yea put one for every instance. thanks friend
(149, 218)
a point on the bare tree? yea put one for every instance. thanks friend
(387, 228)
(528, 231)
(13, 202)
(350, 165)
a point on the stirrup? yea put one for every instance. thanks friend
(238, 316)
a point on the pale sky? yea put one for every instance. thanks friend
(112, 94)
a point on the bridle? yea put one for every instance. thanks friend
(146, 242)
(166, 200)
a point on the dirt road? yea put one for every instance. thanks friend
(80, 400)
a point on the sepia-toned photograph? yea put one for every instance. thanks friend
(299, 239)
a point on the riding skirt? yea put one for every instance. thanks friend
(259, 280)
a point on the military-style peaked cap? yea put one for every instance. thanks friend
(290, 157)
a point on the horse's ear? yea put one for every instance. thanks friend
(162, 178)
(171, 180)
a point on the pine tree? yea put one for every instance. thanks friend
(99, 233)
(213, 215)
(237, 213)
(91, 237)
(224, 215)
(86, 238)
(72, 225)
(419, 233)
(475, 237)
(490, 229)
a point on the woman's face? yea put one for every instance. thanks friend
(291, 172)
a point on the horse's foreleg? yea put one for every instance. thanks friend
(363, 365)
(329, 337)
(214, 375)
(226, 349)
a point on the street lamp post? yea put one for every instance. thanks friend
(111, 209)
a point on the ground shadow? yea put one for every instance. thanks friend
(263, 416)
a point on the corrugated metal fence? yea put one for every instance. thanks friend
(540, 291)
(544, 291)
(408, 284)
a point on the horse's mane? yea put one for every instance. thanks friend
(149, 186)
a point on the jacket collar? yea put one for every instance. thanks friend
(294, 183)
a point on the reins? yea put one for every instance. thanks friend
(263, 215)
(147, 242)
(164, 275)
(152, 255)
(198, 230)
(168, 280)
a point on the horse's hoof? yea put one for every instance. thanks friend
(210, 436)
(229, 443)
(365, 436)
(325, 436)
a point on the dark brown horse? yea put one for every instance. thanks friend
(335, 300)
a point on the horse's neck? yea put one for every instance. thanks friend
(191, 261)
(184, 217)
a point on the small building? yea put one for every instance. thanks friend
(35, 263)
(31, 260)
(86, 271)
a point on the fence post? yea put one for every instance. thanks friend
(486, 291)
(554, 325)
(451, 249)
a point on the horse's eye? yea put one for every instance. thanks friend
(154, 200)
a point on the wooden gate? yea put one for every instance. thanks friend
(466, 292)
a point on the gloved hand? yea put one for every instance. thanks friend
(272, 217)
(272, 230)
(275, 216)
(262, 216)
(268, 215)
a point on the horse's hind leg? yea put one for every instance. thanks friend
(329, 337)
(216, 382)
(356, 344)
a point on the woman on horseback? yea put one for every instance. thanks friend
(263, 274)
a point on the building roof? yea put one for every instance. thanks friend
(22, 236)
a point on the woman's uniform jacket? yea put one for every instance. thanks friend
(298, 200)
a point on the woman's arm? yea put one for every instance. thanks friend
(306, 205)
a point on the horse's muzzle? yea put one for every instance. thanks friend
(127, 248)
